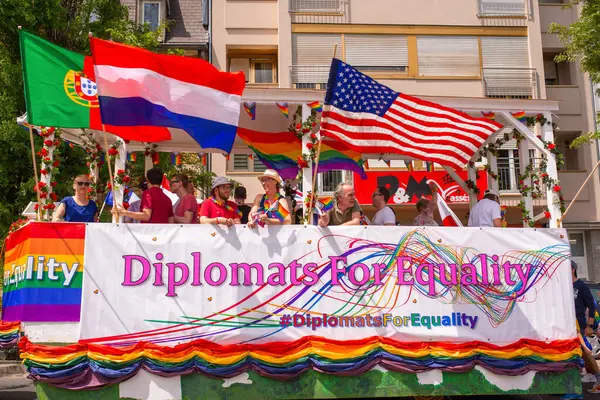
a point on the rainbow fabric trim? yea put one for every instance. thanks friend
(280, 151)
(250, 110)
(89, 366)
(409, 165)
(429, 166)
(283, 107)
(9, 334)
(133, 157)
(175, 158)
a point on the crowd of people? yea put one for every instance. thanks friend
(268, 208)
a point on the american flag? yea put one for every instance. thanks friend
(371, 118)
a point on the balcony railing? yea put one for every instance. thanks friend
(310, 76)
(514, 83)
(509, 171)
(503, 8)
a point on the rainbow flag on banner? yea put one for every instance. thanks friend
(133, 157)
(283, 107)
(520, 116)
(409, 165)
(316, 105)
(429, 166)
(280, 151)
(250, 110)
(43, 272)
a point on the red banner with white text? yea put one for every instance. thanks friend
(408, 187)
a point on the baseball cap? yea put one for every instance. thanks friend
(219, 181)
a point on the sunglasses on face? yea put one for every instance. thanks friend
(86, 184)
(376, 194)
(172, 182)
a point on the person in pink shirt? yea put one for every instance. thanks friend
(156, 207)
(217, 209)
(186, 209)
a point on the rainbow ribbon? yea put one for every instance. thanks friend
(520, 115)
(250, 109)
(489, 115)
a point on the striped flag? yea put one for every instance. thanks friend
(371, 118)
(448, 216)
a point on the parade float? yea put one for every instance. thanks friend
(201, 311)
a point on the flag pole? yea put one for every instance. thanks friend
(110, 175)
(315, 171)
(35, 174)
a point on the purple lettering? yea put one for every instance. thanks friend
(280, 275)
(197, 267)
(335, 270)
(247, 269)
(402, 269)
(171, 282)
(309, 271)
(430, 281)
(472, 274)
(352, 274)
(208, 274)
(294, 273)
(129, 268)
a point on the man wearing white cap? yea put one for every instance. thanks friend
(217, 209)
(487, 211)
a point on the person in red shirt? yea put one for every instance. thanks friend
(156, 207)
(186, 209)
(217, 209)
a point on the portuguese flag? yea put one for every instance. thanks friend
(60, 91)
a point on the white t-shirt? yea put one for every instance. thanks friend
(484, 213)
(384, 216)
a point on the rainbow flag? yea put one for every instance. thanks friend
(280, 213)
(409, 165)
(520, 115)
(316, 105)
(32, 291)
(175, 158)
(250, 109)
(283, 107)
(489, 115)
(429, 166)
(325, 204)
(280, 151)
(133, 157)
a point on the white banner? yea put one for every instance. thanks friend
(172, 283)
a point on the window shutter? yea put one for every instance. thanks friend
(505, 52)
(448, 56)
(311, 57)
(315, 49)
(240, 162)
(377, 51)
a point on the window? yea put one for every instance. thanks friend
(256, 70)
(577, 246)
(151, 14)
(502, 8)
(328, 181)
(448, 56)
(240, 162)
(311, 59)
(550, 72)
(377, 52)
(243, 163)
(506, 71)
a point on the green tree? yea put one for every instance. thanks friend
(582, 43)
(66, 23)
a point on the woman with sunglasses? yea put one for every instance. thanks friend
(77, 208)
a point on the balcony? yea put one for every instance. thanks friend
(510, 83)
(309, 76)
(319, 11)
(503, 9)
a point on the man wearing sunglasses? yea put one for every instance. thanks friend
(77, 208)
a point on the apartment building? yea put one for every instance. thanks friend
(187, 23)
(455, 52)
